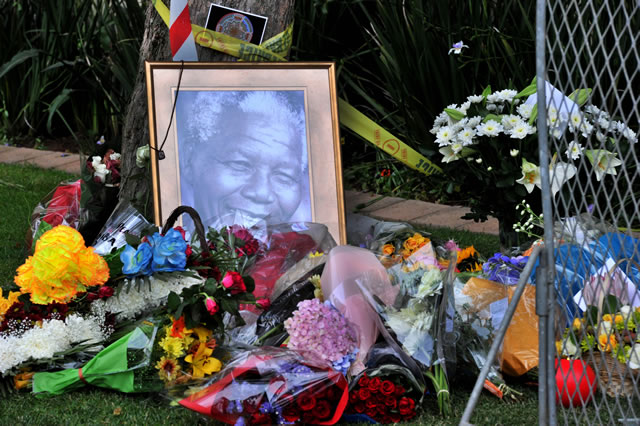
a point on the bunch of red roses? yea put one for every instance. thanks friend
(381, 399)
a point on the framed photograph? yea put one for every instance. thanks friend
(246, 143)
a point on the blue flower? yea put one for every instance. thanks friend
(136, 262)
(168, 252)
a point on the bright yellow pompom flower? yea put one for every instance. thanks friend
(60, 267)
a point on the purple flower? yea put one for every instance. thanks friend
(504, 269)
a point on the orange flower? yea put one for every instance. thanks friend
(411, 244)
(577, 323)
(607, 343)
(606, 317)
(60, 267)
(619, 319)
(178, 328)
(23, 380)
(388, 249)
(466, 253)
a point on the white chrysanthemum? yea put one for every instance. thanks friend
(525, 110)
(474, 121)
(507, 95)
(465, 136)
(514, 152)
(490, 128)
(586, 128)
(493, 98)
(444, 136)
(521, 130)
(601, 136)
(464, 107)
(492, 107)
(603, 122)
(508, 121)
(456, 147)
(475, 99)
(574, 150)
(575, 120)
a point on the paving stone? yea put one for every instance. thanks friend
(445, 216)
(353, 199)
(20, 155)
(382, 203)
(5, 148)
(406, 210)
(73, 168)
(55, 160)
(488, 227)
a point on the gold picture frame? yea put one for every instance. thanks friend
(245, 140)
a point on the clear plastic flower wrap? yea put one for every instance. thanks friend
(284, 246)
(61, 206)
(272, 386)
(125, 219)
(395, 241)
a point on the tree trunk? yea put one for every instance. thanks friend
(136, 182)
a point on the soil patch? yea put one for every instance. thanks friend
(60, 144)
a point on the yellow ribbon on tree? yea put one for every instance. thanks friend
(276, 49)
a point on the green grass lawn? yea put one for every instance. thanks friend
(95, 407)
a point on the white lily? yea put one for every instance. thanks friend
(448, 154)
(560, 173)
(530, 175)
(604, 162)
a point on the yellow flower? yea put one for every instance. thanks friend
(619, 319)
(411, 244)
(5, 304)
(559, 347)
(316, 254)
(202, 363)
(60, 267)
(203, 334)
(173, 346)
(466, 253)
(388, 249)
(577, 323)
(167, 368)
(607, 343)
(607, 317)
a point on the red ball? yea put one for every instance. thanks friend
(575, 382)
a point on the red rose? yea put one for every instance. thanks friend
(399, 390)
(363, 381)
(264, 303)
(233, 281)
(353, 397)
(390, 402)
(395, 417)
(359, 407)
(92, 296)
(188, 251)
(387, 388)
(406, 405)
(291, 413)
(382, 409)
(374, 384)
(364, 394)
(370, 403)
(306, 401)
(371, 412)
(307, 417)
(322, 409)
(211, 305)
(105, 291)
(379, 397)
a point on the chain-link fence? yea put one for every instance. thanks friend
(590, 346)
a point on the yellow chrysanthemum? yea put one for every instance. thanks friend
(388, 249)
(5, 304)
(619, 319)
(607, 343)
(577, 323)
(607, 317)
(60, 267)
(167, 368)
(559, 347)
(316, 254)
(173, 346)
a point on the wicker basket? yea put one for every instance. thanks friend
(614, 378)
(199, 227)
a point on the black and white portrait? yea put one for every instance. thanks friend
(243, 156)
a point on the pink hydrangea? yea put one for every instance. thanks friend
(320, 328)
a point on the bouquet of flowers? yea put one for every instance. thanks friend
(494, 135)
(272, 386)
(395, 242)
(320, 328)
(387, 394)
(105, 170)
(504, 269)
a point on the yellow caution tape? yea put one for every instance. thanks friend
(369, 130)
(275, 50)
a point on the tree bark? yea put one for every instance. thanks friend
(136, 182)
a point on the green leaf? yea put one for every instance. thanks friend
(611, 305)
(534, 114)
(132, 240)
(528, 91)
(506, 182)
(17, 59)
(54, 106)
(491, 117)
(226, 305)
(210, 286)
(249, 283)
(486, 92)
(580, 96)
(173, 301)
(454, 113)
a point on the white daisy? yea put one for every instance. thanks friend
(490, 128)
(574, 150)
